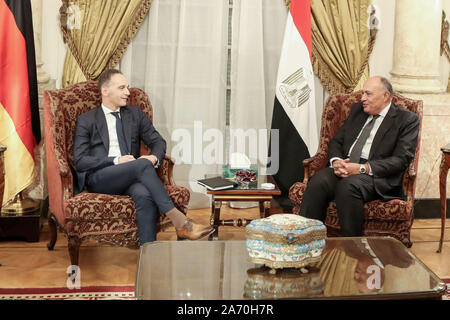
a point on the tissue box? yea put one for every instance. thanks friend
(285, 241)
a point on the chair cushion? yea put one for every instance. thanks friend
(393, 210)
(396, 209)
(98, 206)
(394, 228)
(107, 230)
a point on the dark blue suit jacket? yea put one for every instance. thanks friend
(91, 142)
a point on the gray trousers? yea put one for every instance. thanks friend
(139, 180)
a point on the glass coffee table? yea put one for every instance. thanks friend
(350, 268)
(252, 192)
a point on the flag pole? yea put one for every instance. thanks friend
(2, 174)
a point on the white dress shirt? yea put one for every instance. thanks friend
(114, 148)
(366, 148)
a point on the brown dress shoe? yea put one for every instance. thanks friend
(193, 231)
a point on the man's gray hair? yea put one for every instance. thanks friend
(387, 85)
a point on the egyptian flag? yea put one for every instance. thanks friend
(19, 110)
(294, 113)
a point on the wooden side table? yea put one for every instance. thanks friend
(2, 174)
(253, 193)
(445, 164)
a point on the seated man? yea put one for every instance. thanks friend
(368, 157)
(107, 159)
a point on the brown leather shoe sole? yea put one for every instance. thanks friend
(199, 238)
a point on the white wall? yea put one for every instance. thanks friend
(380, 62)
(53, 47)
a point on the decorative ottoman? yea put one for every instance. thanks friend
(286, 284)
(285, 241)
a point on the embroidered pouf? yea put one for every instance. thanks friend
(285, 241)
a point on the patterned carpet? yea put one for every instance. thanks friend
(86, 293)
(447, 292)
(92, 293)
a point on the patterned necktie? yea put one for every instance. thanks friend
(120, 134)
(355, 155)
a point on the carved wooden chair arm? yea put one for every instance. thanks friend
(411, 179)
(306, 164)
(165, 171)
(314, 164)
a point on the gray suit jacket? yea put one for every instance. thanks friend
(91, 142)
(393, 147)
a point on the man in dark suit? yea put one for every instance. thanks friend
(368, 156)
(107, 159)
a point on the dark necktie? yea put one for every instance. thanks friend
(355, 155)
(120, 134)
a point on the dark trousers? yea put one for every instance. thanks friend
(350, 194)
(139, 180)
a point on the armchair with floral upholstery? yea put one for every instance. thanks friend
(103, 217)
(392, 218)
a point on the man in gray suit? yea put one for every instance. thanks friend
(368, 156)
(107, 159)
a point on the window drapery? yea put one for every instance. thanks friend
(179, 58)
(343, 36)
(342, 43)
(257, 38)
(97, 34)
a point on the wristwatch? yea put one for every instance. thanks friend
(362, 169)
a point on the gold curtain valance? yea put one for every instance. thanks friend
(343, 36)
(97, 33)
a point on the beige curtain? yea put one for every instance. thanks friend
(343, 35)
(342, 42)
(97, 33)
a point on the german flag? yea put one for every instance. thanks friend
(19, 109)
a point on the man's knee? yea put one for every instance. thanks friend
(349, 187)
(323, 182)
(142, 165)
(357, 186)
(139, 193)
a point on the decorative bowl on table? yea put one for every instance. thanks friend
(245, 177)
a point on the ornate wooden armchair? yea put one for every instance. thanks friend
(103, 217)
(393, 218)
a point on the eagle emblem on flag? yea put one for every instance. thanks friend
(295, 89)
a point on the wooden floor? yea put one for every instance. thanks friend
(31, 265)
